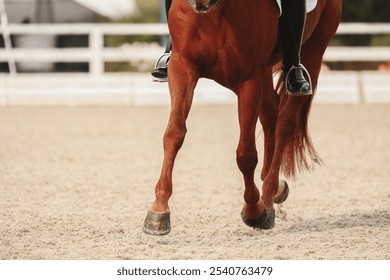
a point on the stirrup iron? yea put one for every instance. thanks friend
(159, 72)
(306, 76)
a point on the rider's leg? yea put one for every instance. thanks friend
(160, 72)
(167, 6)
(292, 24)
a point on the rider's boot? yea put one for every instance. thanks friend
(292, 24)
(160, 71)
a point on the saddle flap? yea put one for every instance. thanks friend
(310, 5)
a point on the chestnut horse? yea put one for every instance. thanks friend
(235, 43)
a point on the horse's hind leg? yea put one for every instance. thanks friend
(292, 140)
(274, 190)
(249, 98)
(313, 49)
(268, 116)
(181, 88)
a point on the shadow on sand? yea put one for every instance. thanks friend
(371, 219)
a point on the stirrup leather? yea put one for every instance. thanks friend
(306, 75)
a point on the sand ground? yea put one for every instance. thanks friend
(76, 183)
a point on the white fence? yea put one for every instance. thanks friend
(96, 54)
(26, 88)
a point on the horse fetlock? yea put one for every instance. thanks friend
(253, 210)
(268, 195)
(163, 194)
(266, 220)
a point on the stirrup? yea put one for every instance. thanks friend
(306, 73)
(160, 71)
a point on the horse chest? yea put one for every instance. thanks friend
(223, 46)
(224, 57)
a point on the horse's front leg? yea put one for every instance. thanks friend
(182, 81)
(249, 100)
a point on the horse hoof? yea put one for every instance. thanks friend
(265, 221)
(157, 224)
(282, 193)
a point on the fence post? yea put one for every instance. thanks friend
(96, 44)
(7, 38)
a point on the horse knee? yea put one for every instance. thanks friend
(246, 159)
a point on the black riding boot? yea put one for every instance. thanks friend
(292, 23)
(160, 71)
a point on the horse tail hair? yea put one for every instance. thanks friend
(299, 153)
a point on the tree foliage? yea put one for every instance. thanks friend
(366, 11)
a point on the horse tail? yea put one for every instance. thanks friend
(299, 153)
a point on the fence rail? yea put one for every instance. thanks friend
(91, 88)
(97, 54)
